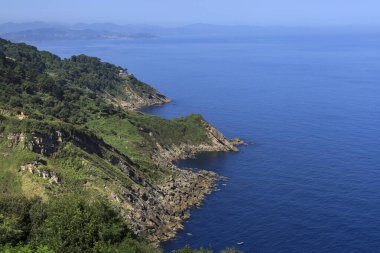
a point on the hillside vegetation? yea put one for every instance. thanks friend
(80, 169)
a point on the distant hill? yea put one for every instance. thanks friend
(124, 29)
(11, 27)
(41, 31)
(47, 34)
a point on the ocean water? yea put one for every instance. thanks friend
(310, 108)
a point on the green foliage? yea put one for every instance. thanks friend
(68, 224)
(24, 249)
(74, 91)
(10, 161)
(18, 218)
(187, 249)
(41, 85)
(139, 87)
(74, 225)
(90, 72)
(166, 132)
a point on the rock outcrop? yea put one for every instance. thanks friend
(16, 138)
(217, 143)
(44, 173)
(45, 144)
(237, 142)
(136, 100)
(39, 143)
(158, 212)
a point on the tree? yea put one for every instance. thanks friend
(75, 225)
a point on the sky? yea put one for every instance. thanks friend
(181, 12)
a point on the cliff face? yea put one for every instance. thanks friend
(157, 212)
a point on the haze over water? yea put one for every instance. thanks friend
(311, 105)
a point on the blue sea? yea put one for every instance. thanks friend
(309, 107)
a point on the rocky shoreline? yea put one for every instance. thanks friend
(170, 201)
(158, 212)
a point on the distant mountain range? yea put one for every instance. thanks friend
(68, 34)
(42, 31)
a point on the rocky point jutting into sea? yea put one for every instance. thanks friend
(72, 129)
(160, 211)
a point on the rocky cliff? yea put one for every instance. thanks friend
(158, 212)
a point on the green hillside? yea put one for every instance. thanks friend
(80, 169)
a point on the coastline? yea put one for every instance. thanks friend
(159, 212)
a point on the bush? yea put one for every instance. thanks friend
(75, 225)
(187, 249)
(16, 221)
(24, 249)
(68, 224)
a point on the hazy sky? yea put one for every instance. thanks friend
(178, 12)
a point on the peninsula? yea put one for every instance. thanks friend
(81, 170)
